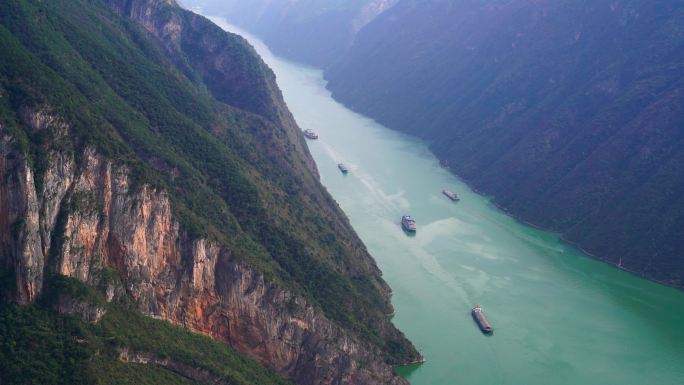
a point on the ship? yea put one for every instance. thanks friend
(451, 195)
(408, 223)
(342, 168)
(311, 134)
(481, 320)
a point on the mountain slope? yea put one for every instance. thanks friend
(569, 113)
(140, 141)
(317, 32)
(41, 346)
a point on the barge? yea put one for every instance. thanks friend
(481, 320)
(408, 223)
(311, 134)
(451, 195)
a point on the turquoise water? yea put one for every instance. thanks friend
(559, 316)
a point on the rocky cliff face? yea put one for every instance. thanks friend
(84, 220)
(148, 154)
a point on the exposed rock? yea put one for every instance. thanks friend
(157, 162)
(77, 307)
(190, 372)
(191, 282)
(19, 222)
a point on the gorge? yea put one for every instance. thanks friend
(567, 113)
(559, 316)
(163, 220)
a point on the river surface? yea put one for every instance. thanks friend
(560, 317)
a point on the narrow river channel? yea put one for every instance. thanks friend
(559, 317)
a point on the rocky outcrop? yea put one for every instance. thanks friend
(19, 234)
(202, 376)
(157, 163)
(77, 307)
(83, 220)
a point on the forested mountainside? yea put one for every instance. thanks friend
(571, 114)
(316, 32)
(149, 167)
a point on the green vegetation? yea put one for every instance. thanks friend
(39, 346)
(227, 157)
(569, 113)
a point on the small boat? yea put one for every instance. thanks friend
(451, 195)
(342, 168)
(311, 134)
(408, 223)
(481, 321)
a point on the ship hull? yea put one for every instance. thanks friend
(310, 134)
(451, 195)
(482, 322)
(406, 228)
(408, 224)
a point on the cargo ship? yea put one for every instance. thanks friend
(342, 168)
(311, 134)
(451, 195)
(481, 321)
(408, 223)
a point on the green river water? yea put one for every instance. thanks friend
(559, 317)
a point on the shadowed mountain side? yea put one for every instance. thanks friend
(569, 113)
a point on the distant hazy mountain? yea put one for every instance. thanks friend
(316, 32)
(571, 113)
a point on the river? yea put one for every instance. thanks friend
(560, 317)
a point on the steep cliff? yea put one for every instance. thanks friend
(191, 282)
(317, 32)
(569, 113)
(74, 336)
(141, 145)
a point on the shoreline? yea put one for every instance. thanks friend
(444, 164)
(422, 360)
(576, 245)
